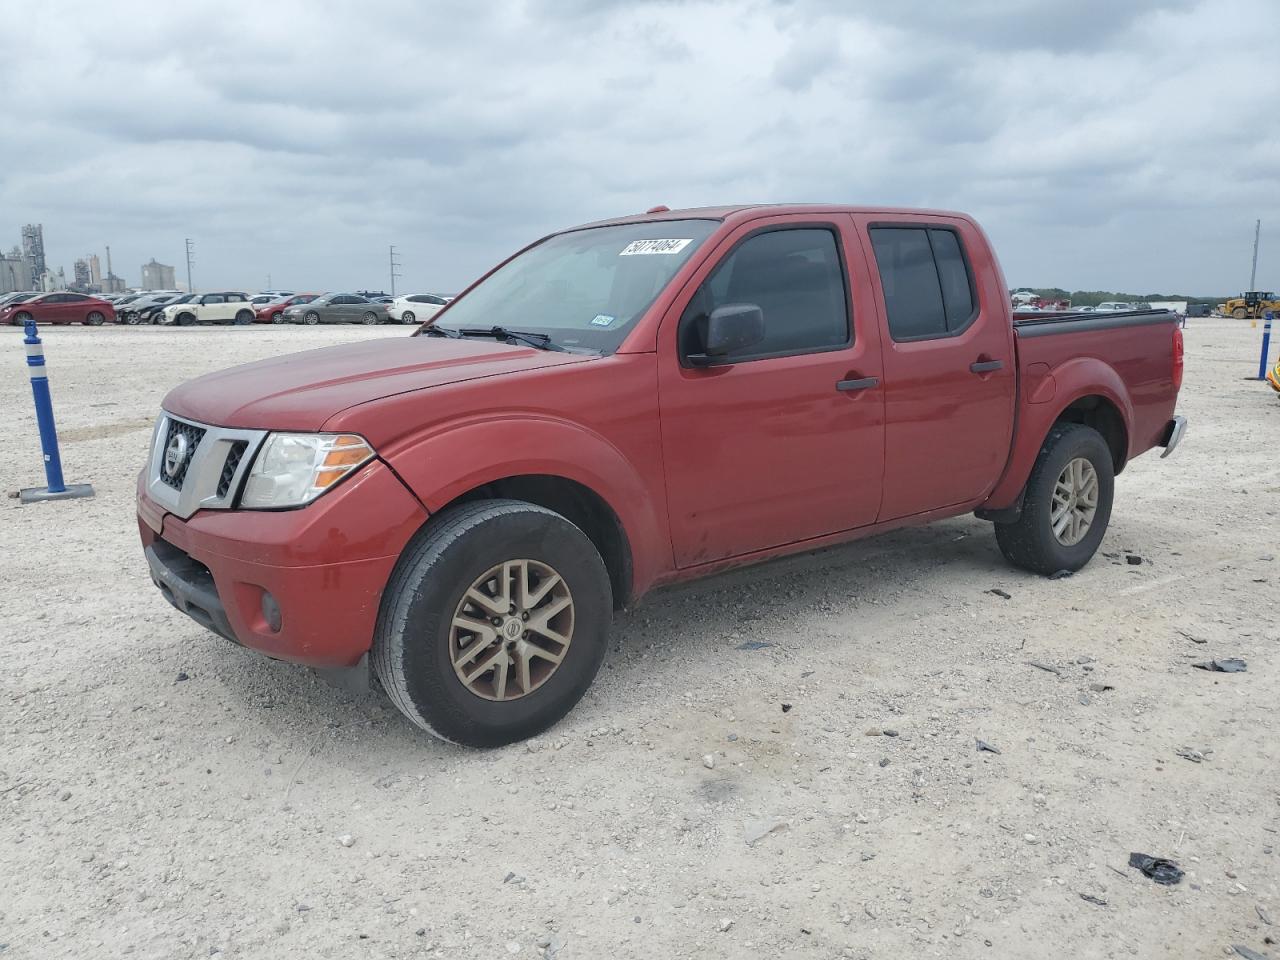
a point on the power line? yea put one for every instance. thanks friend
(394, 273)
(1253, 274)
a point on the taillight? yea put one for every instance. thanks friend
(1177, 358)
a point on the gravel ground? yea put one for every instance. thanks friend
(776, 762)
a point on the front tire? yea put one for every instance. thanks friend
(1240, 313)
(185, 319)
(369, 319)
(244, 318)
(1066, 506)
(311, 318)
(466, 642)
(20, 319)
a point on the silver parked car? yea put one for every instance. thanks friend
(337, 308)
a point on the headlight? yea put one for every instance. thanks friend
(295, 468)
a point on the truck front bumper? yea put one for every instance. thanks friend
(1173, 434)
(299, 585)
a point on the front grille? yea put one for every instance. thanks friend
(234, 456)
(194, 435)
(208, 477)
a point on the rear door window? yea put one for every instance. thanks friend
(927, 283)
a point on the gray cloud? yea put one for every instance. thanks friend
(1104, 145)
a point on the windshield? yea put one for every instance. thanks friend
(584, 289)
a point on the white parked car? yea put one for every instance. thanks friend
(209, 308)
(1112, 306)
(416, 307)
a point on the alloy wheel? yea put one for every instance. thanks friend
(511, 630)
(1075, 501)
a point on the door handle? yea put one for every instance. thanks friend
(985, 366)
(866, 383)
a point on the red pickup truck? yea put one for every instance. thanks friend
(629, 404)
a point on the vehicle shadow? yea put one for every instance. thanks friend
(677, 624)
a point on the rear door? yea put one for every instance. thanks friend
(429, 305)
(75, 307)
(949, 377)
(356, 307)
(783, 443)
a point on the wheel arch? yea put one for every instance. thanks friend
(1087, 391)
(578, 504)
(560, 465)
(1102, 414)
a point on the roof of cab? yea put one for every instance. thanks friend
(749, 211)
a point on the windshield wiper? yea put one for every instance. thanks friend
(539, 340)
(431, 330)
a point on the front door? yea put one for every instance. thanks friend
(212, 306)
(58, 309)
(784, 441)
(948, 364)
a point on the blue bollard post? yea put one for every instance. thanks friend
(1266, 345)
(56, 489)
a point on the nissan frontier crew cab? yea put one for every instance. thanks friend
(629, 404)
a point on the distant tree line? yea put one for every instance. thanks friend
(1091, 298)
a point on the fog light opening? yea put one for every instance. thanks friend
(271, 612)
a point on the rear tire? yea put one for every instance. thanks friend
(94, 319)
(417, 641)
(277, 317)
(1030, 541)
(244, 318)
(369, 319)
(408, 317)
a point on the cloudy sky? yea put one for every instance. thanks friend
(1104, 144)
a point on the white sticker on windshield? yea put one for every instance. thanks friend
(603, 320)
(637, 247)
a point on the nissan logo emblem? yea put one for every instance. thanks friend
(175, 454)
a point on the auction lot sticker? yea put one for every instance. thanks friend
(638, 247)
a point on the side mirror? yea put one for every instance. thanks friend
(730, 328)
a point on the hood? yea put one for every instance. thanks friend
(300, 391)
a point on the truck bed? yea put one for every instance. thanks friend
(1036, 324)
(1132, 351)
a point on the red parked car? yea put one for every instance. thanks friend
(60, 307)
(629, 404)
(273, 310)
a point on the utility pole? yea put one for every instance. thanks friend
(268, 286)
(1253, 274)
(109, 273)
(190, 252)
(394, 263)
